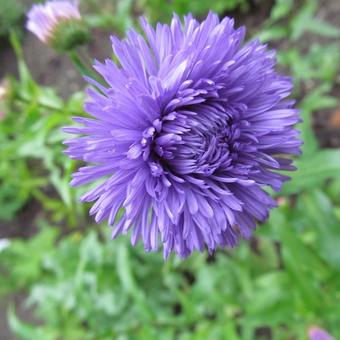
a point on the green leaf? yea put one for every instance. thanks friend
(273, 33)
(302, 19)
(22, 260)
(25, 331)
(313, 171)
(323, 28)
(128, 281)
(321, 211)
(281, 9)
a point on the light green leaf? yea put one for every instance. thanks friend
(312, 171)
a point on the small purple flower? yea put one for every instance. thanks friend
(316, 333)
(191, 127)
(44, 19)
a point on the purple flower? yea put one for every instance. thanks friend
(44, 20)
(185, 136)
(316, 333)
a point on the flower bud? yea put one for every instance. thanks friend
(58, 23)
(69, 34)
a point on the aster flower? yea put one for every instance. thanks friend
(316, 333)
(57, 23)
(189, 130)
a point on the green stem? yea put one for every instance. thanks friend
(82, 67)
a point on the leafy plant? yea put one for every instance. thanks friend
(11, 13)
(32, 150)
(83, 286)
(87, 288)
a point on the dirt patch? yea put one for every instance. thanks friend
(23, 225)
(326, 124)
(259, 11)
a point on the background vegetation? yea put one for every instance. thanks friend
(81, 285)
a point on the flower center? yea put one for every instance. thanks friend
(185, 144)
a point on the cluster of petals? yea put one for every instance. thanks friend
(44, 19)
(317, 333)
(190, 128)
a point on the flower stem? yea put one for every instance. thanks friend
(82, 67)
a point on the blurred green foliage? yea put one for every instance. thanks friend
(31, 151)
(11, 13)
(83, 286)
(89, 289)
(159, 10)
